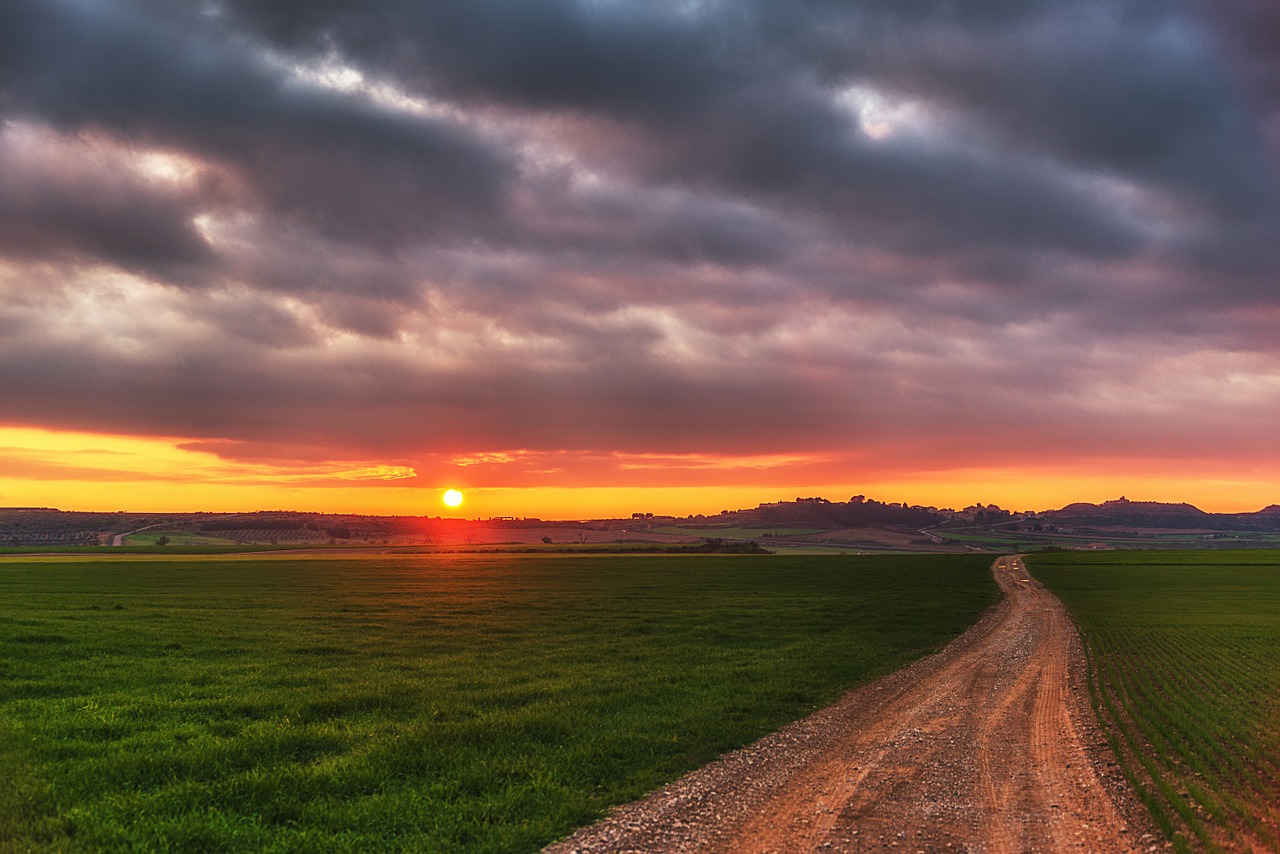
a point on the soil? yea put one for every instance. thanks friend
(989, 745)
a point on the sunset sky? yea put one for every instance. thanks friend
(595, 257)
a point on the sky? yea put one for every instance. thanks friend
(594, 257)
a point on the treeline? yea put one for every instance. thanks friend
(50, 521)
(17, 538)
(256, 525)
(859, 512)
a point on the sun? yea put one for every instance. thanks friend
(452, 497)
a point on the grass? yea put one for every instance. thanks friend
(132, 549)
(1184, 654)
(176, 538)
(481, 703)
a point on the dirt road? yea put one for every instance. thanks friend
(987, 746)
(118, 539)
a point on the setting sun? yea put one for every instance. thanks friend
(452, 497)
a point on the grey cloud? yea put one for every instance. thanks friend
(1143, 99)
(201, 387)
(635, 226)
(655, 59)
(639, 225)
(248, 317)
(374, 402)
(1120, 85)
(139, 233)
(764, 128)
(76, 211)
(339, 164)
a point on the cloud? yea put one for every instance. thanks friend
(415, 233)
(335, 163)
(86, 199)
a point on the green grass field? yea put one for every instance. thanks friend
(93, 552)
(1184, 653)
(486, 703)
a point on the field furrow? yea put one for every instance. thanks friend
(1184, 658)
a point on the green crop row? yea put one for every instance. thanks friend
(1184, 659)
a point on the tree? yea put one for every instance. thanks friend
(162, 541)
(546, 540)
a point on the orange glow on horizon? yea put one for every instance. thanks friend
(86, 471)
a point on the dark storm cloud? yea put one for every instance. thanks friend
(72, 210)
(1132, 94)
(729, 96)
(737, 96)
(667, 224)
(342, 166)
(682, 226)
(194, 384)
(657, 60)
(253, 319)
(1248, 31)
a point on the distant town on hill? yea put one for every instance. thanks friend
(804, 524)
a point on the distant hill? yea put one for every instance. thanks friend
(1122, 512)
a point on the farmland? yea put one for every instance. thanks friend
(435, 702)
(176, 538)
(1184, 652)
